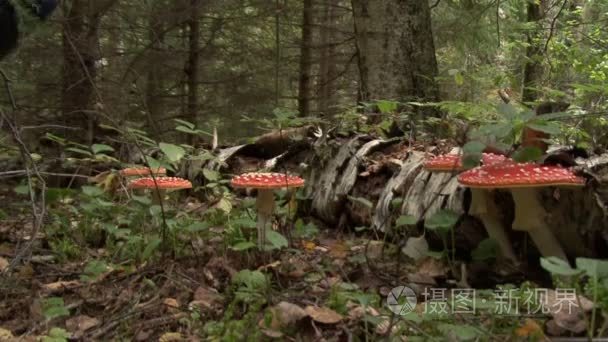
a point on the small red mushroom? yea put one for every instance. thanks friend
(265, 183)
(523, 180)
(161, 184)
(142, 171)
(453, 162)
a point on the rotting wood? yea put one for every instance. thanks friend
(432, 192)
(223, 157)
(382, 219)
(578, 217)
(321, 184)
(349, 176)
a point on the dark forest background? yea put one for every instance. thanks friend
(145, 63)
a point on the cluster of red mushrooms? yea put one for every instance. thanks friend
(265, 183)
(522, 180)
(157, 181)
(496, 172)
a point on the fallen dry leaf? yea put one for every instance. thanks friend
(206, 299)
(555, 330)
(26, 272)
(272, 333)
(6, 335)
(60, 286)
(323, 315)
(171, 337)
(338, 250)
(566, 311)
(330, 282)
(295, 267)
(270, 266)
(3, 264)
(171, 302)
(143, 335)
(80, 324)
(321, 249)
(283, 314)
(432, 267)
(309, 246)
(374, 249)
(416, 247)
(358, 312)
(529, 329)
(384, 325)
(418, 278)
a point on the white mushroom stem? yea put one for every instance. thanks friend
(483, 207)
(530, 217)
(265, 207)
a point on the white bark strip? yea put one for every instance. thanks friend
(382, 219)
(324, 182)
(430, 193)
(223, 156)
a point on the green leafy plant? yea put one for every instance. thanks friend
(56, 335)
(54, 307)
(443, 223)
(589, 277)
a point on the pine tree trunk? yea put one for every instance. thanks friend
(80, 42)
(192, 69)
(533, 70)
(396, 50)
(81, 45)
(305, 60)
(154, 80)
(327, 68)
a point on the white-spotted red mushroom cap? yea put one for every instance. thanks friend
(257, 180)
(444, 162)
(453, 162)
(518, 175)
(493, 158)
(142, 171)
(162, 183)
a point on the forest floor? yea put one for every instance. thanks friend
(332, 287)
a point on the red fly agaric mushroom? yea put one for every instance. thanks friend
(523, 180)
(453, 162)
(160, 185)
(142, 171)
(265, 183)
(482, 206)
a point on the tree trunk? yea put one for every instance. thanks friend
(192, 70)
(305, 60)
(327, 68)
(80, 44)
(533, 70)
(154, 80)
(396, 50)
